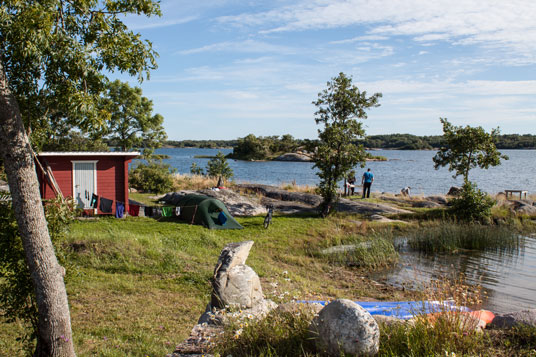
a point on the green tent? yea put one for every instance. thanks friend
(204, 210)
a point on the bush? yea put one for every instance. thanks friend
(472, 205)
(17, 299)
(154, 177)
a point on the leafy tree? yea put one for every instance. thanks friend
(250, 148)
(340, 106)
(154, 176)
(466, 148)
(196, 170)
(131, 124)
(54, 53)
(219, 167)
(74, 141)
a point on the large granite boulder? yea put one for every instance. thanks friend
(345, 327)
(454, 191)
(525, 317)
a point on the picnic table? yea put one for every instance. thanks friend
(511, 193)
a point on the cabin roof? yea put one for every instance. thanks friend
(131, 154)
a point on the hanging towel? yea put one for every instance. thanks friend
(148, 211)
(119, 209)
(157, 212)
(94, 200)
(177, 211)
(133, 210)
(106, 205)
(167, 211)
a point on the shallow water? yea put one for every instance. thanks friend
(404, 168)
(507, 275)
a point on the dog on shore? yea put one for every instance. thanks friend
(406, 191)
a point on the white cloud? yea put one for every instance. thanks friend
(360, 39)
(156, 22)
(494, 23)
(248, 46)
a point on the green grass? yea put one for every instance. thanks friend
(451, 237)
(137, 286)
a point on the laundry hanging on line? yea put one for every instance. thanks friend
(119, 209)
(106, 205)
(94, 200)
(133, 210)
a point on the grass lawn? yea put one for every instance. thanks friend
(136, 286)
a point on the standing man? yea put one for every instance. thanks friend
(351, 182)
(367, 180)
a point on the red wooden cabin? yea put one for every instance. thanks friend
(82, 174)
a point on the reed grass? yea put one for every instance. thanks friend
(193, 182)
(451, 237)
(373, 252)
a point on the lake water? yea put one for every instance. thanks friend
(403, 168)
(508, 276)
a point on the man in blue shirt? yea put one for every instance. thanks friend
(367, 180)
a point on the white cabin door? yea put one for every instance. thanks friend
(84, 182)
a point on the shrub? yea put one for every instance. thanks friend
(154, 177)
(17, 299)
(196, 170)
(472, 205)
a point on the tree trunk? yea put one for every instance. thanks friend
(54, 337)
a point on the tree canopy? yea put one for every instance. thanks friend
(340, 106)
(131, 123)
(465, 148)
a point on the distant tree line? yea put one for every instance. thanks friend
(210, 144)
(414, 142)
(252, 147)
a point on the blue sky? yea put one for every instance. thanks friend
(228, 68)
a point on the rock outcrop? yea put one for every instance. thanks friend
(525, 317)
(523, 208)
(291, 156)
(344, 327)
(237, 204)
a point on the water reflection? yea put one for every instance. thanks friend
(507, 275)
